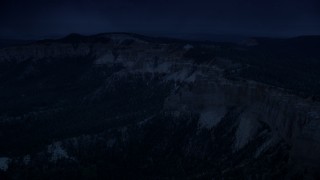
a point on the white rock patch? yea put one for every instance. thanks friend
(188, 47)
(107, 58)
(178, 76)
(211, 117)
(246, 130)
(264, 147)
(57, 152)
(4, 163)
(164, 67)
(26, 159)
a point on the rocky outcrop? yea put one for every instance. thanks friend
(248, 120)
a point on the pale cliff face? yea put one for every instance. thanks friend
(201, 89)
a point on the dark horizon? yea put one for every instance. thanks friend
(183, 36)
(36, 19)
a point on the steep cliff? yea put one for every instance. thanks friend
(153, 108)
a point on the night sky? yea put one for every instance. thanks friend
(44, 18)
